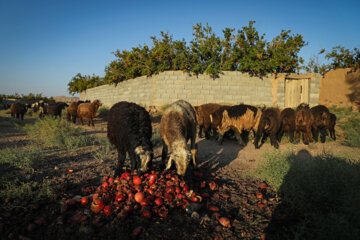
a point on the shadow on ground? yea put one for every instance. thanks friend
(320, 199)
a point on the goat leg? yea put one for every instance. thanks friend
(121, 159)
(164, 154)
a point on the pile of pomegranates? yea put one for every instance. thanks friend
(150, 194)
(154, 194)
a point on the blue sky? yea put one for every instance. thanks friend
(43, 44)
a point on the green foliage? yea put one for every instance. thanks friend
(349, 122)
(57, 133)
(23, 158)
(351, 129)
(339, 57)
(250, 51)
(103, 112)
(80, 83)
(20, 190)
(343, 58)
(273, 169)
(246, 51)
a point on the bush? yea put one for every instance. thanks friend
(57, 133)
(103, 112)
(22, 158)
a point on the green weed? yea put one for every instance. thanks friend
(26, 190)
(351, 129)
(349, 122)
(22, 158)
(57, 133)
(101, 154)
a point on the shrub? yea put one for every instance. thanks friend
(57, 133)
(22, 158)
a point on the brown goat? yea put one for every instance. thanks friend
(287, 123)
(178, 125)
(303, 122)
(18, 110)
(72, 111)
(269, 126)
(203, 113)
(216, 118)
(239, 118)
(331, 126)
(321, 116)
(88, 110)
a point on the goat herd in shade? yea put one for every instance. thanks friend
(130, 130)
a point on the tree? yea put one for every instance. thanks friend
(80, 83)
(205, 51)
(343, 58)
(250, 51)
(283, 52)
(246, 51)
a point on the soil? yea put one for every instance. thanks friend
(74, 173)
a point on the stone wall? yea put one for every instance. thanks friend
(167, 87)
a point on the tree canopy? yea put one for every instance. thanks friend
(245, 50)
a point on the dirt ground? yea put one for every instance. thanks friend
(235, 196)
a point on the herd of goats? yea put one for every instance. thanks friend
(129, 127)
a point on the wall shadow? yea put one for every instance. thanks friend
(353, 79)
(319, 199)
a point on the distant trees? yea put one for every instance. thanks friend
(30, 96)
(339, 57)
(80, 83)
